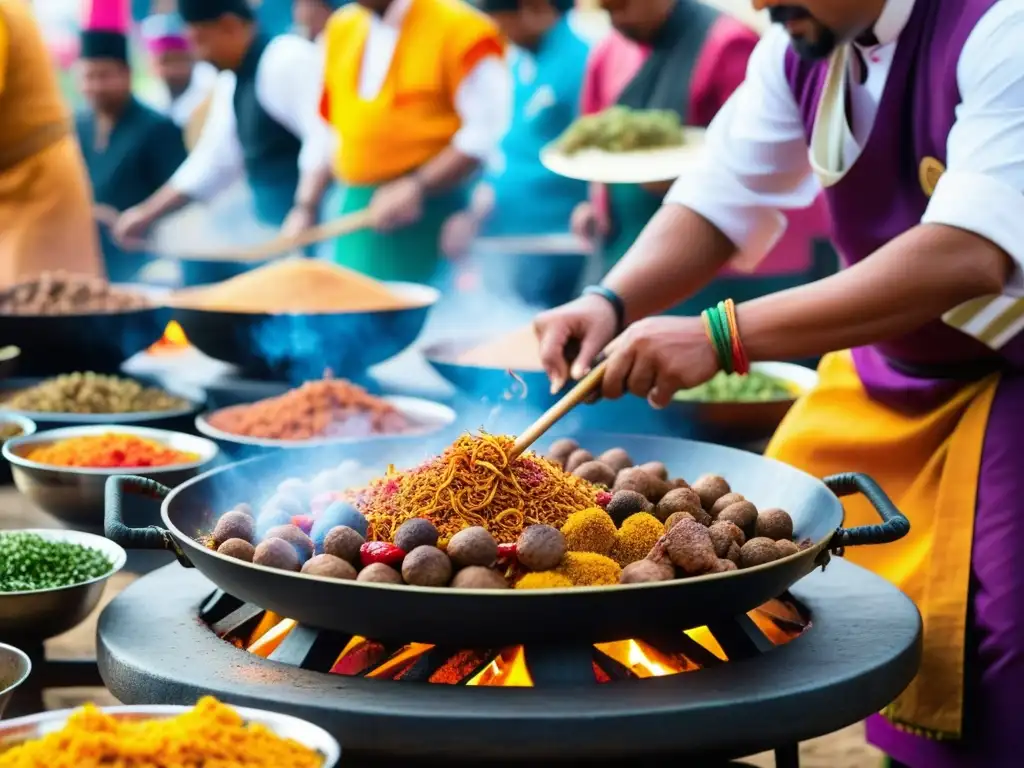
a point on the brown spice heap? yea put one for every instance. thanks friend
(518, 350)
(62, 293)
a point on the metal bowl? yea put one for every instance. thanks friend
(22, 729)
(297, 347)
(542, 270)
(15, 667)
(53, 344)
(427, 417)
(28, 427)
(41, 614)
(75, 494)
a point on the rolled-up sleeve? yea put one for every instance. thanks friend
(754, 164)
(982, 190)
(216, 160)
(483, 101)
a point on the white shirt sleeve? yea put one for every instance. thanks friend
(289, 83)
(755, 162)
(982, 190)
(484, 103)
(215, 162)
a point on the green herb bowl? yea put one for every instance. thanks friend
(37, 615)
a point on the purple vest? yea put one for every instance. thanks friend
(881, 197)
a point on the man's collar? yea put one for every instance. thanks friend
(891, 21)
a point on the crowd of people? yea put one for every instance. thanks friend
(895, 125)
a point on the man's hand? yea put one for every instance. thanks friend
(458, 234)
(299, 219)
(588, 320)
(657, 357)
(586, 223)
(397, 204)
(131, 227)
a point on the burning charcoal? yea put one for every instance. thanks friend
(380, 574)
(758, 552)
(561, 449)
(710, 488)
(591, 530)
(338, 513)
(341, 541)
(478, 577)
(577, 457)
(293, 535)
(646, 571)
(238, 549)
(540, 547)
(635, 479)
(616, 458)
(723, 535)
(743, 515)
(725, 501)
(596, 472)
(680, 500)
(657, 469)
(473, 546)
(785, 548)
(276, 553)
(418, 532)
(427, 567)
(626, 503)
(234, 525)
(775, 524)
(330, 566)
(689, 546)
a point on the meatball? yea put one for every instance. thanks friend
(657, 469)
(330, 566)
(758, 552)
(418, 532)
(689, 546)
(645, 571)
(710, 488)
(626, 503)
(478, 577)
(234, 525)
(723, 535)
(596, 472)
(722, 566)
(276, 553)
(680, 500)
(725, 501)
(616, 458)
(344, 543)
(379, 573)
(473, 546)
(240, 549)
(775, 524)
(635, 479)
(540, 547)
(743, 515)
(733, 553)
(427, 567)
(577, 457)
(560, 450)
(343, 513)
(294, 536)
(785, 548)
(271, 517)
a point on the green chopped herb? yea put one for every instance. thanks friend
(29, 562)
(726, 387)
(621, 129)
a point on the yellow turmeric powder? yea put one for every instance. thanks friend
(210, 735)
(587, 569)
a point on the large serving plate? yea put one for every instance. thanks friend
(649, 166)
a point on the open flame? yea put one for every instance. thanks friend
(173, 340)
(778, 620)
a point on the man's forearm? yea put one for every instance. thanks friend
(165, 201)
(313, 185)
(912, 280)
(676, 255)
(447, 170)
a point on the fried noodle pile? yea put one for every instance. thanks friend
(474, 483)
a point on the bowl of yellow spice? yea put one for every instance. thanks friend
(209, 733)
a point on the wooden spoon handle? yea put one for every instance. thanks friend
(583, 389)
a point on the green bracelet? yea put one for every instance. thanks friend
(721, 338)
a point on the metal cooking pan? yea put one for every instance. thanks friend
(465, 618)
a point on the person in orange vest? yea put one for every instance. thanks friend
(46, 220)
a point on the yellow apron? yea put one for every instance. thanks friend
(928, 464)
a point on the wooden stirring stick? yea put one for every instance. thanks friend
(572, 398)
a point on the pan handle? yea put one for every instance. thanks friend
(894, 526)
(150, 537)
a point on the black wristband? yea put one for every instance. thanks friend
(612, 298)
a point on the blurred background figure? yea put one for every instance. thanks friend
(418, 95)
(309, 17)
(263, 123)
(186, 83)
(129, 149)
(45, 210)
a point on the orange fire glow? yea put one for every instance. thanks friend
(508, 670)
(173, 340)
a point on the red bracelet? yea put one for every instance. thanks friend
(741, 363)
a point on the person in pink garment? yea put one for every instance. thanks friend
(685, 56)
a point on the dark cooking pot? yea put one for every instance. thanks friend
(541, 270)
(494, 618)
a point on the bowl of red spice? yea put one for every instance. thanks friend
(64, 471)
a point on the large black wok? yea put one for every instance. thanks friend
(467, 618)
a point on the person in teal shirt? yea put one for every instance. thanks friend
(517, 195)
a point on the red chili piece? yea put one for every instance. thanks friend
(305, 522)
(506, 551)
(603, 498)
(380, 552)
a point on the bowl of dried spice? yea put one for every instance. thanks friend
(50, 580)
(64, 471)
